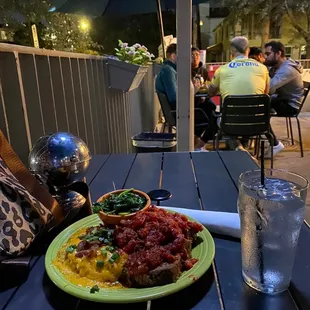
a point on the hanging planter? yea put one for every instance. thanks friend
(156, 68)
(127, 69)
(124, 76)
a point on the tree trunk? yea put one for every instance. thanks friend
(198, 27)
(195, 27)
(265, 31)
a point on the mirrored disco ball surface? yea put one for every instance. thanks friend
(60, 158)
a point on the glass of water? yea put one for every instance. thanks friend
(271, 216)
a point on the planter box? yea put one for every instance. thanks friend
(156, 68)
(124, 76)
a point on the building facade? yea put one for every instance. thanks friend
(281, 30)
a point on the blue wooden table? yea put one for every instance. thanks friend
(205, 181)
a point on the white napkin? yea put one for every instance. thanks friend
(222, 223)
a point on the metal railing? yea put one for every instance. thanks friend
(43, 91)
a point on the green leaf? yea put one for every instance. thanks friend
(104, 252)
(115, 256)
(94, 289)
(100, 264)
(71, 248)
(109, 248)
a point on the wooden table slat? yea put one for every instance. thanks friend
(88, 305)
(96, 164)
(144, 175)
(178, 178)
(201, 295)
(116, 170)
(217, 181)
(5, 291)
(38, 293)
(211, 174)
(230, 278)
(227, 254)
(236, 163)
(301, 272)
(145, 172)
(236, 294)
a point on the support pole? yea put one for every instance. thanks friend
(185, 89)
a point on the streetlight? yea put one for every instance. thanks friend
(84, 25)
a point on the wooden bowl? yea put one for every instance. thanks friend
(111, 219)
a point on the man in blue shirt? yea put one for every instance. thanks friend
(166, 80)
(166, 83)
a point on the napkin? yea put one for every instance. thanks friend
(222, 223)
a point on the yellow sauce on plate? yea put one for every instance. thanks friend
(84, 271)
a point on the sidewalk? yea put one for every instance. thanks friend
(290, 158)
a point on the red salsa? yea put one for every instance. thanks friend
(154, 237)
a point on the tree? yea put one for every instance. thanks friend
(262, 10)
(267, 11)
(57, 31)
(298, 12)
(143, 29)
(67, 32)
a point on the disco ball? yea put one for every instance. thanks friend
(59, 159)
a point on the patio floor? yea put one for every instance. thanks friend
(290, 158)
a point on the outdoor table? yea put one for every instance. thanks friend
(207, 181)
(202, 95)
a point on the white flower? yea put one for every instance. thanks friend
(123, 45)
(137, 45)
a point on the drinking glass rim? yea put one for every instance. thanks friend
(241, 176)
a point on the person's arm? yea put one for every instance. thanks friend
(267, 88)
(214, 87)
(281, 78)
(170, 83)
(205, 74)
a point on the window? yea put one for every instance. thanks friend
(275, 26)
(303, 53)
(251, 27)
(288, 51)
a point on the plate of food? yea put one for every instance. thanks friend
(151, 254)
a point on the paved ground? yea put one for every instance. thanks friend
(290, 158)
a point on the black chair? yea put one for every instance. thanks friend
(245, 116)
(288, 119)
(201, 118)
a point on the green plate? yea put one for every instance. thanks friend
(204, 252)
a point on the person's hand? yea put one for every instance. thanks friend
(197, 85)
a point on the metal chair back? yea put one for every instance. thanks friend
(246, 115)
(169, 114)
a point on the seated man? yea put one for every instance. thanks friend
(206, 104)
(257, 54)
(166, 83)
(166, 80)
(242, 76)
(286, 84)
(197, 66)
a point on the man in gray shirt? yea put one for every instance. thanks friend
(286, 84)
